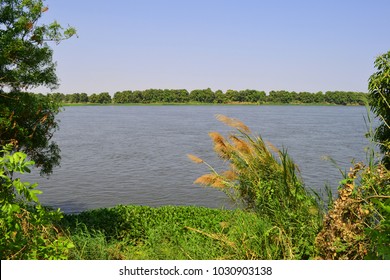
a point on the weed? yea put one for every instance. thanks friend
(27, 229)
(358, 224)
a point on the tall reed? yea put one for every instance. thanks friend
(265, 180)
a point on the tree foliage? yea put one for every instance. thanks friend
(379, 89)
(249, 96)
(28, 122)
(26, 61)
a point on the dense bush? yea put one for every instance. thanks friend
(358, 224)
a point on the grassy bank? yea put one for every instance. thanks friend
(172, 232)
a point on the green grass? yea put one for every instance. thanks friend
(171, 232)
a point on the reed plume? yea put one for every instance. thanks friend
(195, 158)
(266, 180)
(240, 144)
(230, 175)
(232, 122)
(221, 145)
(210, 179)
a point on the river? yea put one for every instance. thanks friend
(137, 154)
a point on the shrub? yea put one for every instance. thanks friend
(27, 228)
(357, 226)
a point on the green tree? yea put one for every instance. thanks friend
(305, 97)
(26, 61)
(220, 97)
(104, 98)
(136, 96)
(93, 98)
(175, 95)
(121, 97)
(57, 97)
(202, 95)
(74, 98)
(83, 97)
(253, 96)
(282, 96)
(319, 97)
(379, 96)
(333, 97)
(28, 122)
(26, 58)
(233, 95)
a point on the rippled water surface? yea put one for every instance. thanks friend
(137, 154)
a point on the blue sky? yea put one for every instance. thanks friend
(265, 45)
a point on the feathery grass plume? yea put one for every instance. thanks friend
(218, 183)
(195, 158)
(210, 179)
(221, 145)
(266, 180)
(232, 122)
(240, 144)
(272, 147)
(229, 175)
(217, 138)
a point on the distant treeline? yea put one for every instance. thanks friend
(208, 96)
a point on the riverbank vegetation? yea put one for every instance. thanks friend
(277, 216)
(172, 232)
(265, 181)
(207, 96)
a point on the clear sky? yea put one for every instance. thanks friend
(222, 44)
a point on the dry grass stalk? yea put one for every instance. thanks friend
(195, 158)
(344, 225)
(221, 146)
(272, 147)
(206, 179)
(222, 151)
(240, 144)
(210, 179)
(232, 122)
(219, 237)
(218, 183)
(230, 175)
(217, 138)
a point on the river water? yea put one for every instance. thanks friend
(137, 154)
